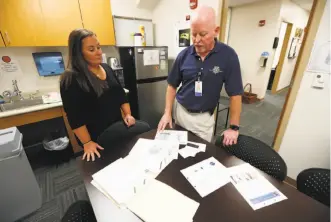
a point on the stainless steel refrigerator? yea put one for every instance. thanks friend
(145, 72)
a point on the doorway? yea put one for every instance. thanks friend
(270, 83)
(280, 53)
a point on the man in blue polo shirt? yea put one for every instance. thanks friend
(201, 69)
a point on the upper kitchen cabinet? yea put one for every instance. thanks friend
(97, 17)
(60, 17)
(2, 44)
(18, 19)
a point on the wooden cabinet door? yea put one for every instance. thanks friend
(17, 21)
(2, 44)
(97, 17)
(59, 17)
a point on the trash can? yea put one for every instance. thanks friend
(19, 191)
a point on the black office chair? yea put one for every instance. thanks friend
(258, 154)
(315, 182)
(81, 211)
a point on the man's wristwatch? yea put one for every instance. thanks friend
(234, 127)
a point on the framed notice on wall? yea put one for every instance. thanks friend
(320, 58)
(295, 45)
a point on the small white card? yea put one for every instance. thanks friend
(191, 149)
(198, 88)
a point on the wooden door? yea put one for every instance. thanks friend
(17, 22)
(97, 17)
(282, 58)
(59, 18)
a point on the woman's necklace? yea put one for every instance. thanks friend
(97, 72)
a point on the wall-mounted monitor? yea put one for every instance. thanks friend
(49, 63)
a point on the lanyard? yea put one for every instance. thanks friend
(199, 75)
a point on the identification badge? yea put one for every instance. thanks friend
(198, 88)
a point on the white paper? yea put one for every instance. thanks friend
(52, 97)
(255, 189)
(9, 65)
(320, 59)
(153, 155)
(163, 65)
(161, 203)
(120, 188)
(206, 176)
(151, 57)
(174, 135)
(96, 185)
(122, 179)
(192, 151)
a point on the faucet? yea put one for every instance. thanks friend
(17, 92)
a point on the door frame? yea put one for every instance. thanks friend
(282, 57)
(311, 29)
(300, 66)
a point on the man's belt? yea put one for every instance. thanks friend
(211, 111)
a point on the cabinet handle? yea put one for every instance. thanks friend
(7, 37)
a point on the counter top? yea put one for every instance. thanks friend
(29, 109)
(33, 108)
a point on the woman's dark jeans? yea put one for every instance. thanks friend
(119, 131)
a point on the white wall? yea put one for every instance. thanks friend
(291, 13)
(167, 13)
(28, 79)
(249, 40)
(128, 8)
(306, 142)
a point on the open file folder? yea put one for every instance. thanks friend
(161, 203)
(122, 179)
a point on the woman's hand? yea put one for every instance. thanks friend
(90, 149)
(129, 120)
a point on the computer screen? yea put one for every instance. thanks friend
(49, 63)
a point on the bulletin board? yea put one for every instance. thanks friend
(125, 27)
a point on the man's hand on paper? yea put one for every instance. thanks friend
(230, 137)
(165, 120)
(90, 149)
(129, 120)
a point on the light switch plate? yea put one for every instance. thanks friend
(318, 81)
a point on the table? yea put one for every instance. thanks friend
(225, 204)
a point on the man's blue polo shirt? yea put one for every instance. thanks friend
(220, 66)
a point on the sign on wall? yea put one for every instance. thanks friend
(320, 59)
(8, 65)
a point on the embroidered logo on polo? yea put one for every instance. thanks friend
(216, 70)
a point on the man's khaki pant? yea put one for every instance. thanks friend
(201, 124)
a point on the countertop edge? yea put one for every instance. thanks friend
(29, 109)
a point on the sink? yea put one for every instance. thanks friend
(19, 104)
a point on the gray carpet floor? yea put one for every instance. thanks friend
(260, 119)
(62, 185)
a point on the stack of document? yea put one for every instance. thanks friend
(119, 181)
(173, 135)
(161, 203)
(206, 176)
(255, 189)
(153, 155)
(123, 179)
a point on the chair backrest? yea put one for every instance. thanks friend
(79, 211)
(258, 154)
(315, 182)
